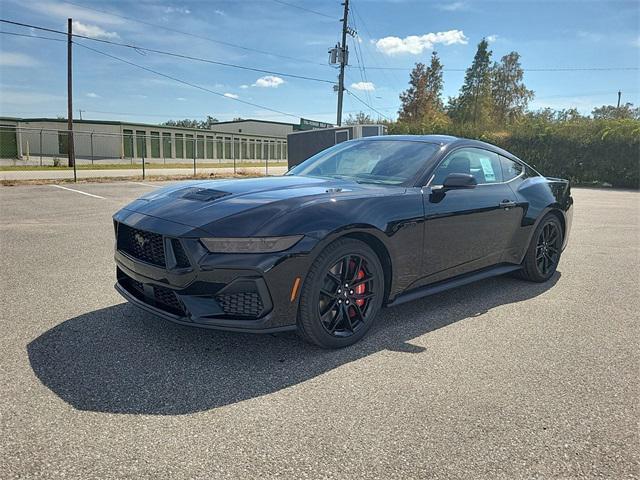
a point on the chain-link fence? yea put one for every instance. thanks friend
(42, 153)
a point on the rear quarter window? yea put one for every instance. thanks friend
(510, 169)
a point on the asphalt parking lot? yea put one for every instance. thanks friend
(501, 379)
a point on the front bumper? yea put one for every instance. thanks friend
(238, 292)
(256, 327)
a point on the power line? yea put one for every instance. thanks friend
(172, 54)
(590, 94)
(356, 11)
(547, 69)
(360, 68)
(194, 35)
(175, 79)
(175, 115)
(31, 36)
(366, 104)
(360, 59)
(304, 8)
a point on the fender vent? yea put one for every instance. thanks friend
(182, 261)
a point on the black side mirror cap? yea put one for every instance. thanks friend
(459, 180)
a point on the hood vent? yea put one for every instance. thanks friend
(201, 194)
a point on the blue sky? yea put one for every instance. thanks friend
(391, 34)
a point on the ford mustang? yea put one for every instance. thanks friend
(362, 225)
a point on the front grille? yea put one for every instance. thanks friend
(145, 246)
(163, 298)
(167, 300)
(242, 304)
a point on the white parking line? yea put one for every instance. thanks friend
(78, 191)
(146, 184)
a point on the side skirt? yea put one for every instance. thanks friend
(453, 283)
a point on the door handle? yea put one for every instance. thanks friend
(507, 204)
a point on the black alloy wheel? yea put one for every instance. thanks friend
(341, 295)
(345, 296)
(548, 248)
(543, 254)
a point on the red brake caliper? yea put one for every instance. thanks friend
(360, 289)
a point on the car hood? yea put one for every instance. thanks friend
(201, 204)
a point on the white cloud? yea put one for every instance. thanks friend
(415, 44)
(93, 95)
(591, 36)
(183, 10)
(10, 59)
(181, 99)
(269, 81)
(92, 31)
(244, 86)
(453, 7)
(220, 12)
(363, 86)
(491, 38)
(636, 42)
(231, 95)
(66, 10)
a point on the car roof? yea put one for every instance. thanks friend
(445, 140)
(439, 139)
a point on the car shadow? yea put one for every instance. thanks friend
(123, 360)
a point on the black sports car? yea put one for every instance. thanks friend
(363, 224)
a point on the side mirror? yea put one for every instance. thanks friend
(459, 180)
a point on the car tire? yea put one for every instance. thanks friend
(337, 306)
(545, 249)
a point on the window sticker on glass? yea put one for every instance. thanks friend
(487, 169)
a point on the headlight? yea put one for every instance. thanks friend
(250, 245)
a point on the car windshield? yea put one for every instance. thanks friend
(391, 162)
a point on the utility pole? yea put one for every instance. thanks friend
(80, 112)
(70, 149)
(619, 95)
(343, 60)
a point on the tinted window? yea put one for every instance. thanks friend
(380, 161)
(510, 169)
(482, 164)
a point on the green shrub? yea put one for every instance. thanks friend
(584, 150)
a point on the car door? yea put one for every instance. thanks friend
(467, 229)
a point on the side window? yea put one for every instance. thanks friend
(482, 164)
(510, 169)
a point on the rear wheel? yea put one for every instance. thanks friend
(342, 295)
(543, 255)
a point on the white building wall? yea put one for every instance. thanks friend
(95, 141)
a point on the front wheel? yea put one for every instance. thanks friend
(543, 255)
(342, 294)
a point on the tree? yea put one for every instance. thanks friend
(509, 94)
(188, 123)
(609, 112)
(360, 118)
(208, 123)
(549, 115)
(422, 101)
(474, 103)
